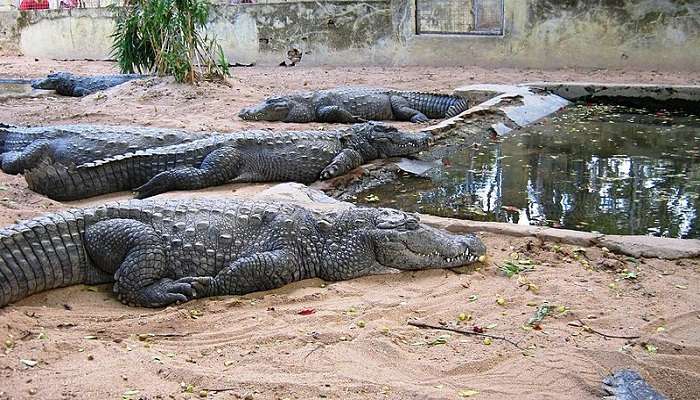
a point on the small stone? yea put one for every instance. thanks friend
(90, 357)
(248, 396)
(32, 391)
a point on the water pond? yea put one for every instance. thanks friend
(11, 88)
(604, 168)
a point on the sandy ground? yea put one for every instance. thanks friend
(87, 345)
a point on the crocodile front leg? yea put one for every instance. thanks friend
(403, 112)
(345, 161)
(15, 162)
(337, 114)
(259, 271)
(219, 167)
(133, 252)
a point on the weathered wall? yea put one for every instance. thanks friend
(9, 31)
(67, 34)
(328, 31)
(556, 33)
(663, 34)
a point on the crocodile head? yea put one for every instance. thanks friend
(51, 81)
(402, 242)
(390, 142)
(382, 238)
(292, 108)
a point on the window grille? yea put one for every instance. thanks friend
(460, 17)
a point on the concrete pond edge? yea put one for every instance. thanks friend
(630, 245)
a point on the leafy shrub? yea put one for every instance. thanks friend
(166, 37)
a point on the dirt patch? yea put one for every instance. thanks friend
(87, 345)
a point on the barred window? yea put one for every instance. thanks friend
(465, 17)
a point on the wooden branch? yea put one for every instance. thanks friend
(605, 335)
(463, 332)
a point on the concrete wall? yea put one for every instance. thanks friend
(638, 34)
(329, 31)
(661, 34)
(67, 34)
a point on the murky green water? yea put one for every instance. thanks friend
(610, 169)
(15, 88)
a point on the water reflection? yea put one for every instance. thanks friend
(610, 169)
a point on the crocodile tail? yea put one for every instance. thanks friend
(434, 105)
(460, 105)
(61, 182)
(43, 253)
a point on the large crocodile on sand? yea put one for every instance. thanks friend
(161, 252)
(252, 156)
(67, 84)
(25, 148)
(356, 104)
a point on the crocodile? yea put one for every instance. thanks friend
(247, 156)
(159, 252)
(67, 84)
(356, 104)
(627, 384)
(25, 148)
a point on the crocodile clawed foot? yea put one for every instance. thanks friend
(201, 285)
(329, 172)
(146, 190)
(420, 119)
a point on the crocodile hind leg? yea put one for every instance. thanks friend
(337, 114)
(260, 271)
(217, 168)
(403, 112)
(134, 253)
(15, 162)
(347, 160)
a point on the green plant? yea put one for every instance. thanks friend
(166, 37)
